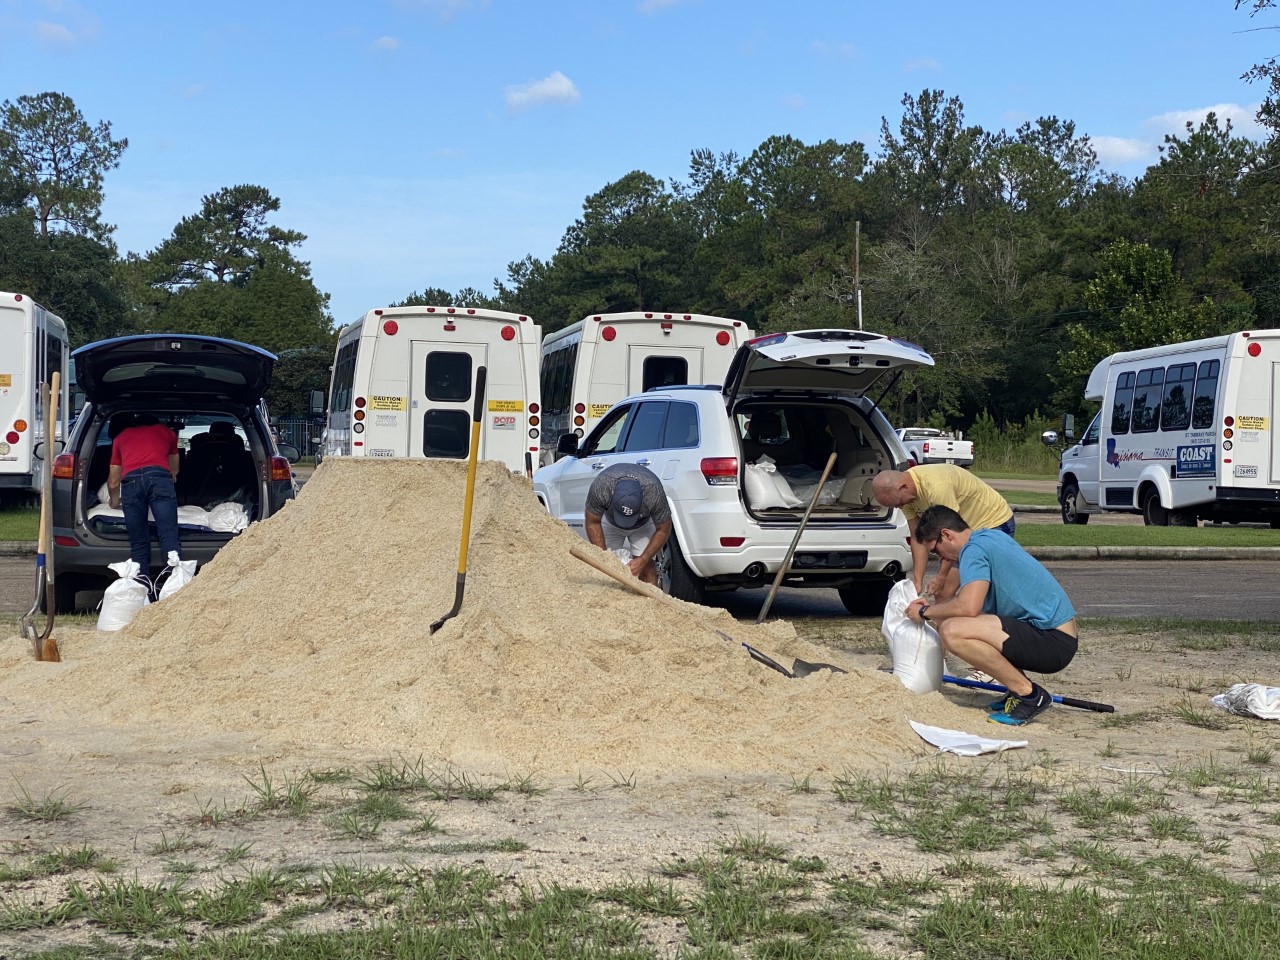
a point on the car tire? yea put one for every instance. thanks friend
(674, 576)
(1070, 513)
(1153, 514)
(1183, 518)
(866, 598)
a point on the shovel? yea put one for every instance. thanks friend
(795, 541)
(472, 457)
(591, 557)
(44, 645)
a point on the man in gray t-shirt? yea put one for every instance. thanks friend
(627, 510)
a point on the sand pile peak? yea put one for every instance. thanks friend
(312, 628)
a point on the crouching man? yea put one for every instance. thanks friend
(1009, 616)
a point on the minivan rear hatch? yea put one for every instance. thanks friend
(832, 362)
(151, 367)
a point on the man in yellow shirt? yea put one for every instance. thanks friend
(941, 485)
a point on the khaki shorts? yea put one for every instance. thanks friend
(635, 539)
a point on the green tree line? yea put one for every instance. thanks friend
(1010, 255)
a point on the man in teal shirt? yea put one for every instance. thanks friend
(1010, 615)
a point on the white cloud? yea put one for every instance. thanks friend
(829, 48)
(1116, 152)
(450, 153)
(385, 45)
(53, 36)
(795, 102)
(1243, 119)
(195, 90)
(924, 63)
(65, 26)
(556, 88)
(650, 7)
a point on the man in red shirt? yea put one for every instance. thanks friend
(144, 463)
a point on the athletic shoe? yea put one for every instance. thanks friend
(998, 705)
(1019, 710)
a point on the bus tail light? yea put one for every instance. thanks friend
(390, 328)
(508, 332)
(12, 437)
(720, 471)
(534, 408)
(608, 333)
(280, 469)
(360, 402)
(579, 408)
(20, 426)
(722, 338)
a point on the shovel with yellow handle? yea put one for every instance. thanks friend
(44, 645)
(472, 457)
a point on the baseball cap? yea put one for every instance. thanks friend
(626, 509)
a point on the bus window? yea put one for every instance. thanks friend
(448, 377)
(1175, 410)
(446, 434)
(1122, 405)
(1205, 393)
(664, 372)
(1146, 400)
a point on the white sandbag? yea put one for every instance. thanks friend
(180, 573)
(123, 598)
(228, 518)
(914, 647)
(767, 488)
(624, 555)
(1250, 700)
(831, 491)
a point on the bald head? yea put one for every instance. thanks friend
(893, 488)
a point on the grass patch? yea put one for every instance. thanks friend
(1112, 535)
(19, 523)
(1029, 498)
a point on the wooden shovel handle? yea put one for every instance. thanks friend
(592, 557)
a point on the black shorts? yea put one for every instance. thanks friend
(1040, 651)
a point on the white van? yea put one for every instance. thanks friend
(590, 365)
(403, 379)
(33, 344)
(1187, 432)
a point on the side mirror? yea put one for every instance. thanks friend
(289, 452)
(1069, 427)
(567, 446)
(38, 450)
(1049, 438)
(317, 401)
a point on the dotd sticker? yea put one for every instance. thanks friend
(1197, 461)
(504, 422)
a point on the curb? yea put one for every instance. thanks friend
(18, 548)
(1024, 508)
(1154, 553)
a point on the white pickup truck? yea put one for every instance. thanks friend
(927, 445)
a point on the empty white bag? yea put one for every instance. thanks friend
(123, 598)
(914, 647)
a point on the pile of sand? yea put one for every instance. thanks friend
(311, 628)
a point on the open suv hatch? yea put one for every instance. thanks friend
(209, 391)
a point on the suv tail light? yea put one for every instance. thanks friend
(64, 466)
(280, 469)
(720, 470)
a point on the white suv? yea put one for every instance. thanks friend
(791, 397)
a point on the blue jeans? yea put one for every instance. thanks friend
(149, 487)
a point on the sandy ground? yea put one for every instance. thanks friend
(650, 736)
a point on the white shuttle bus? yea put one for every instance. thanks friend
(1187, 432)
(590, 365)
(33, 344)
(403, 380)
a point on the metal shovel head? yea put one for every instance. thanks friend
(802, 668)
(767, 660)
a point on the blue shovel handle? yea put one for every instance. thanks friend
(1065, 701)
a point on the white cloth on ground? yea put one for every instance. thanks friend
(961, 743)
(1250, 700)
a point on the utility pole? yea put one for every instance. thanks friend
(857, 260)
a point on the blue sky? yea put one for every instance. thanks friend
(430, 142)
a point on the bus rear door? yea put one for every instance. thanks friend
(443, 381)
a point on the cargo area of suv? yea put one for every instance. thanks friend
(209, 392)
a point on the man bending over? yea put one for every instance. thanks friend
(1009, 616)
